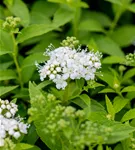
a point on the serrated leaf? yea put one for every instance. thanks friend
(113, 60)
(128, 35)
(6, 89)
(7, 74)
(108, 46)
(119, 103)
(128, 115)
(19, 9)
(91, 25)
(128, 89)
(110, 107)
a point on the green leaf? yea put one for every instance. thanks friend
(129, 74)
(7, 74)
(31, 59)
(24, 146)
(59, 18)
(131, 7)
(100, 147)
(19, 9)
(32, 136)
(119, 103)
(34, 91)
(6, 89)
(44, 7)
(4, 47)
(128, 35)
(110, 107)
(107, 77)
(129, 115)
(91, 25)
(118, 147)
(115, 1)
(44, 42)
(100, 17)
(108, 46)
(34, 30)
(120, 132)
(113, 60)
(28, 65)
(97, 107)
(5, 65)
(128, 89)
(39, 29)
(38, 18)
(86, 99)
(44, 84)
(107, 90)
(1, 21)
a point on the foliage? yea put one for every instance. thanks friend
(98, 113)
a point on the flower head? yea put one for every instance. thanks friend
(66, 62)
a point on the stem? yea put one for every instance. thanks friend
(75, 21)
(116, 18)
(15, 54)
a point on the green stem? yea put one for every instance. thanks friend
(15, 54)
(116, 18)
(75, 21)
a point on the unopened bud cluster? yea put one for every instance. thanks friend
(67, 63)
(9, 125)
(11, 24)
(60, 118)
(91, 133)
(130, 59)
(70, 42)
(132, 146)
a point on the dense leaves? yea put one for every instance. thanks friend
(96, 114)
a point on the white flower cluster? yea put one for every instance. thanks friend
(10, 126)
(70, 63)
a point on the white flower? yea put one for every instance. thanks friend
(8, 115)
(10, 126)
(67, 63)
(16, 135)
(1, 142)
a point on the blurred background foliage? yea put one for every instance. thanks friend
(104, 25)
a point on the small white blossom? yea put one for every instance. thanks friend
(9, 126)
(67, 63)
(1, 142)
